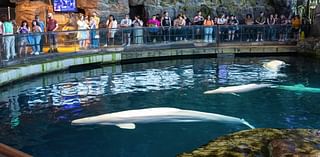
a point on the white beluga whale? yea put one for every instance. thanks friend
(237, 89)
(128, 119)
(298, 88)
(274, 65)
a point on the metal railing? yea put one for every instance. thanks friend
(23, 46)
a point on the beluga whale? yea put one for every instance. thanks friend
(128, 119)
(237, 89)
(298, 88)
(274, 65)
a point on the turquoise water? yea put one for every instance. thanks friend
(36, 114)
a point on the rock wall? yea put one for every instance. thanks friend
(26, 9)
(263, 142)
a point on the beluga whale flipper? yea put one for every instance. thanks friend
(237, 89)
(128, 119)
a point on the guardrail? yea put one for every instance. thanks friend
(7, 151)
(23, 46)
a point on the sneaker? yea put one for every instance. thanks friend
(106, 45)
(261, 39)
(248, 40)
(128, 44)
(32, 53)
(36, 53)
(257, 40)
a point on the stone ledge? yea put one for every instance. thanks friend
(264, 143)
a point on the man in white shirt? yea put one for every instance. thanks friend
(125, 24)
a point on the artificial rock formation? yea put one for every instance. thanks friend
(26, 9)
(264, 143)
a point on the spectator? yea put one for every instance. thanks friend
(42, 26)
(233, 22)
(82, 32)
(179, 22)
(166, 23)
(1, 36)
(138, 30)
(187, 30)
(261, 20)
(248, 28)
(153, 25)
(93, 33)
(271, 21)
(208, 29)
(283, 27)
(112, 25)
(198, 21)
(296, 24)
(52, 26)
(9, 40)
(222, 21)
(23, 30)
(36, 37)
(126, 24)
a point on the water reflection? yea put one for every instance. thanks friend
(15, 111)
(73, 94)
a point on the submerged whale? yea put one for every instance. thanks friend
(128, 119)
(274, 65)
(298, 88)
(237, 89)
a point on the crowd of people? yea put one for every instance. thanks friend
(159, 28)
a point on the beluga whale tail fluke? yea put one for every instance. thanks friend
(237, 89)
(129, 119)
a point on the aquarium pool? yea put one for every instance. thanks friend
(36, 114)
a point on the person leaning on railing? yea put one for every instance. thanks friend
(52, 26)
